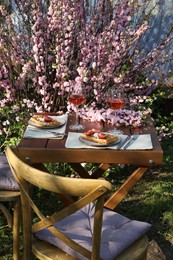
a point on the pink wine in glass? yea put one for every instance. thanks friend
(115, 100)
(77, 99)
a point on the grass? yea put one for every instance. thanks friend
(151, 200)
(5, 238)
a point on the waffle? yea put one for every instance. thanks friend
(44, 121)
(106, 138)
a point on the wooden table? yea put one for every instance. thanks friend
(38, 151)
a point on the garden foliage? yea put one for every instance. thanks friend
(48, 47)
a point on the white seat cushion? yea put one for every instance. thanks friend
(118, 232)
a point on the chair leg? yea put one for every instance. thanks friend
(7, 215)
(16, 230)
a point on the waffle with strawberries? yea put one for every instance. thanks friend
(97, 136)
(44, 120)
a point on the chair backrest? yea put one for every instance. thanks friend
(87, 190)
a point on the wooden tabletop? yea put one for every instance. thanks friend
(53, 150)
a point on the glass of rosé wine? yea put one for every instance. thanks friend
(115, 101)
(77, 98)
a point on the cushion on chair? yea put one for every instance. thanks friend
(7, 181)
(118, 232)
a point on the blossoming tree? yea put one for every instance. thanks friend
(48, 47)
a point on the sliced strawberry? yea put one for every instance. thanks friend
(96, 130)
(102, 136)
(89, 133)
(47, 118)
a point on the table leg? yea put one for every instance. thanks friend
(100, 170)
(80, 170)
(95, 174)
(120, 194)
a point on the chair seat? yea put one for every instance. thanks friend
(118, 232)
(7, 181)
(44, 250)
(9, 192)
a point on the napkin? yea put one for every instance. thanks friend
(143, 142)
(36, 132)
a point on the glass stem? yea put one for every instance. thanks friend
(77, 116)
(115, 125)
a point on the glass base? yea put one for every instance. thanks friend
(115, 131)
(76, 127)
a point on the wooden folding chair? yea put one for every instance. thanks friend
(9, 192)
(82, 230)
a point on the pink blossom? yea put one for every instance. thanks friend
(63, 46)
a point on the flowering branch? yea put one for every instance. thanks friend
(48, 48)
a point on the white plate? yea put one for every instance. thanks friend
(97, 144)
(62, 122)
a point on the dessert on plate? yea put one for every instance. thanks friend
(97, 136)
(44, 120)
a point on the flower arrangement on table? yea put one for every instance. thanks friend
(55, 45)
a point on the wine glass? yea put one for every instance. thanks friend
(115, 101)
(77, 98)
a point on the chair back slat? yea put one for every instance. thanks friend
(51, 182)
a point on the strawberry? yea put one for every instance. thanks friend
(102, 136)
(95, 130)
(47, 118)
(89, 133)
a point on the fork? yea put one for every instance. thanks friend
(123, 142)
(133, 138)
(48, 131)
(57, 134)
